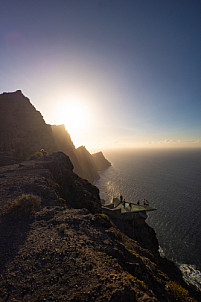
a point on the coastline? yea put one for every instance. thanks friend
(190, 272)
(66, 248)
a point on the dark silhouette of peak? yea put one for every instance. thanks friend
(14, 94)
(18, 91)
(64, 143)
(22, 128)
(87, 163)
(13, 103)
(100, 161)
(62, 136)
(83, 149)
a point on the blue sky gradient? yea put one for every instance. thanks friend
(135, 65)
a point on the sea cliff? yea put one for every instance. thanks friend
(23, 133)
(63, 248)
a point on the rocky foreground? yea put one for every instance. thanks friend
(66, 250)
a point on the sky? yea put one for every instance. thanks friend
(117, 73)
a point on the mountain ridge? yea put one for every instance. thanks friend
(23, 132)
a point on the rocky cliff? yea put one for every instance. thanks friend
(22, 129)
(87, 163)
(51, 177)
(23, 132)
(64, 143)
(54, 252)
(83, 162)
(100, 161)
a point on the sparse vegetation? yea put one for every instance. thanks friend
(37, 155)
(63, 202)
(24, 204)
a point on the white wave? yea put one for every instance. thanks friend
(191, 275)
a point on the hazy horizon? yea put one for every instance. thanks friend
(145, 148)
(118, 74)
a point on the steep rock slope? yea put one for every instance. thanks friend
(87, 163)
(64, 143)
(100, 161)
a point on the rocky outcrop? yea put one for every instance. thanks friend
(23, 132)
(100, 161)
(50, 177)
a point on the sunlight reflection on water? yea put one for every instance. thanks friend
(171, 182)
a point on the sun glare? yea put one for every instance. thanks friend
(75, 116)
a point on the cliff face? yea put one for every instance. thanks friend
(24, 132)
(22, 128)
(64, 143)
(100, 161)
(51, 177)
(83, 162)
(58, 253)
(87, 164)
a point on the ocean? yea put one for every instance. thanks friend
(171, 181)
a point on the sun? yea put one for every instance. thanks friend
(75, 115)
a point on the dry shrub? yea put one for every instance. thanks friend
(24, 204)
(63, 203)
(37, 155)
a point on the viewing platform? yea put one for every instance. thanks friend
(127, 210)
